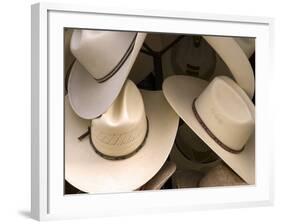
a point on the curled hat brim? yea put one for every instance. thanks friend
(88, 97)
(91, 173)
(236, 60)
(180, 91)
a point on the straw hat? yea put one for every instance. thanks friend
(247, 44)
(236, 60)
(221, 114)
(68, 57)
(155, 183)
(104, 60)
(125, 147)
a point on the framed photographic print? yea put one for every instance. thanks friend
(155, 111)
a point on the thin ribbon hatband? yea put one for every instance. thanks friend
(119, 64)
(108, 157)
(210, 133)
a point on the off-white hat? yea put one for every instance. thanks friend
(221, 114)
(104, 60)
(125, 147)
(68, 57)
(236, 60)
(247, 44)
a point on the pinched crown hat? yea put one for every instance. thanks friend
(124, 147)
(221, 114)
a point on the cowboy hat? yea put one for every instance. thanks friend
(191, 153)
(155, 183)
(236, 60)
(68, 57)
(247, 44)
(104, 60)
(125, 147)
(221, 114)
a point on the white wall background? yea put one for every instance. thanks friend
(15, 111)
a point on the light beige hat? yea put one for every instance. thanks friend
(221, 114)
(236, 60)
(191, 153)
(125, 147)
(104, 60)
(247, 44)
(68, 57)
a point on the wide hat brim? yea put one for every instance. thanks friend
(180, 91)
(236, 60)
(91, 173)
(89, 98)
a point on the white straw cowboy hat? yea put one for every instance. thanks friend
(247, 44)
(104, 60)
(191, 153)
(221, 114)
(125, 147)
(68, 57)
(236, 60)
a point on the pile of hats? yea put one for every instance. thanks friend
(121, 138)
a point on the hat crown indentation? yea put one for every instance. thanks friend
(225, 113)
(123, 127)
(229, 102)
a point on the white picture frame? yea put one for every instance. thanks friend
(48, 200)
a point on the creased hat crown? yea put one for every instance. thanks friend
(122, 129)
(225, 113)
